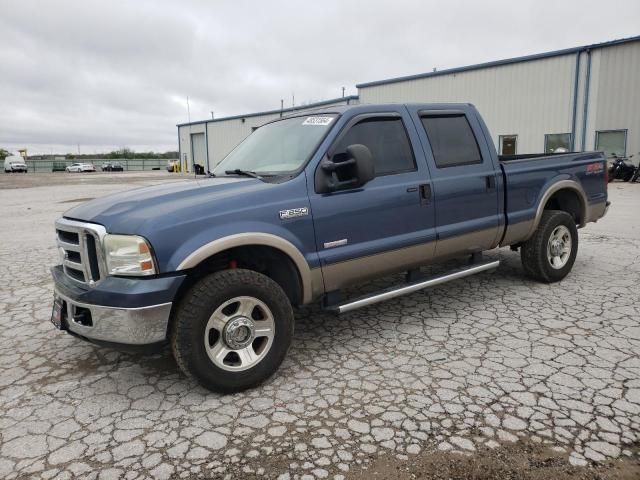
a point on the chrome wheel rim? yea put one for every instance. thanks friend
(239, 334)
(559, 247)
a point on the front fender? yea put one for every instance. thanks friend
(211, 241)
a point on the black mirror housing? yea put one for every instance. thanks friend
(342, 171)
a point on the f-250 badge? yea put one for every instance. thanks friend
(293, 212)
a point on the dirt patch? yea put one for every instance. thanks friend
(517, 461)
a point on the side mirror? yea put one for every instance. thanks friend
(342, 171)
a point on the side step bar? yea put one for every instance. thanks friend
(412, 287)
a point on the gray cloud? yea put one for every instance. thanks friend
(117, 73)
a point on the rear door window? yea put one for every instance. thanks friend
(452, 140)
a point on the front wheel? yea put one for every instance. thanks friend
(550, 253)
(232, 330)
(636, 174)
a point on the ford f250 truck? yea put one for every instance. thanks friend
(303, 208)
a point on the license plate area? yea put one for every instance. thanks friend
(58, 312)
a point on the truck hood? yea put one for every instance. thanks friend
(128, 212)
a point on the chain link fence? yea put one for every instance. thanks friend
(134, 164)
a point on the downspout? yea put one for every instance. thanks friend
(586, 100)
(179, 150)
(575, 102)
(206, 146)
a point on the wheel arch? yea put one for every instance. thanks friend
(259, 241)
(566, 195)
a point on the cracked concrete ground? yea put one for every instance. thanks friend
(485, 360)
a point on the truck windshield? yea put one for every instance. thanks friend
(278, 148)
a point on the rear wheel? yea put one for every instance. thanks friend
(550, 253)
(232, 330)
(636, 174)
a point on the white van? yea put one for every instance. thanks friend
(14, 163)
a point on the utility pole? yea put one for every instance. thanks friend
(293, 99)
(281, 106)
(342, 92)
(188, 110)
(211, 114)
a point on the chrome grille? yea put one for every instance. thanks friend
(80, 247)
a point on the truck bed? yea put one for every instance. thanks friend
(528, 177)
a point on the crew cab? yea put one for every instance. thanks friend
(302, 209)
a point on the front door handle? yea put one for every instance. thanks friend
(491, 182)
(425, 194)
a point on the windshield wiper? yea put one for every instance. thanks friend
(246, 173)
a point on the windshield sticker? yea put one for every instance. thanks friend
(321, 121)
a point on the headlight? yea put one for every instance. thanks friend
(128, 255)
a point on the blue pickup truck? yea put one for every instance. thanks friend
(305, 207)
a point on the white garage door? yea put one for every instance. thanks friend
(198, 149)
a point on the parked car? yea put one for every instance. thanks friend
(112, 167)
(15, 163)
(59, 166)
(214, 268)
(81, 167)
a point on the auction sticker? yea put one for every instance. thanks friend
(321, 121)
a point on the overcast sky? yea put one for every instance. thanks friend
(110, 74)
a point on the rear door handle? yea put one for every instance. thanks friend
(425, 194)
(491, 182)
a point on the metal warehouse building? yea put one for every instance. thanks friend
(208, 141)
(583, 98)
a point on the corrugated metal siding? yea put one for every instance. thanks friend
(615, 94)
(528, 99)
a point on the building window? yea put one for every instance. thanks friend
(452, 140)
(557, 142)
(508, 144)
(612, 142)
(387, 140)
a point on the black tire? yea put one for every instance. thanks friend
(533, 253)
(636, 174)
(628, 176)
(187, 335)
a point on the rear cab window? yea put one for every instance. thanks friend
(452, 140)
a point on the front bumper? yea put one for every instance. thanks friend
(119, 310)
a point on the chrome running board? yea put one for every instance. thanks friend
(412, 287)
